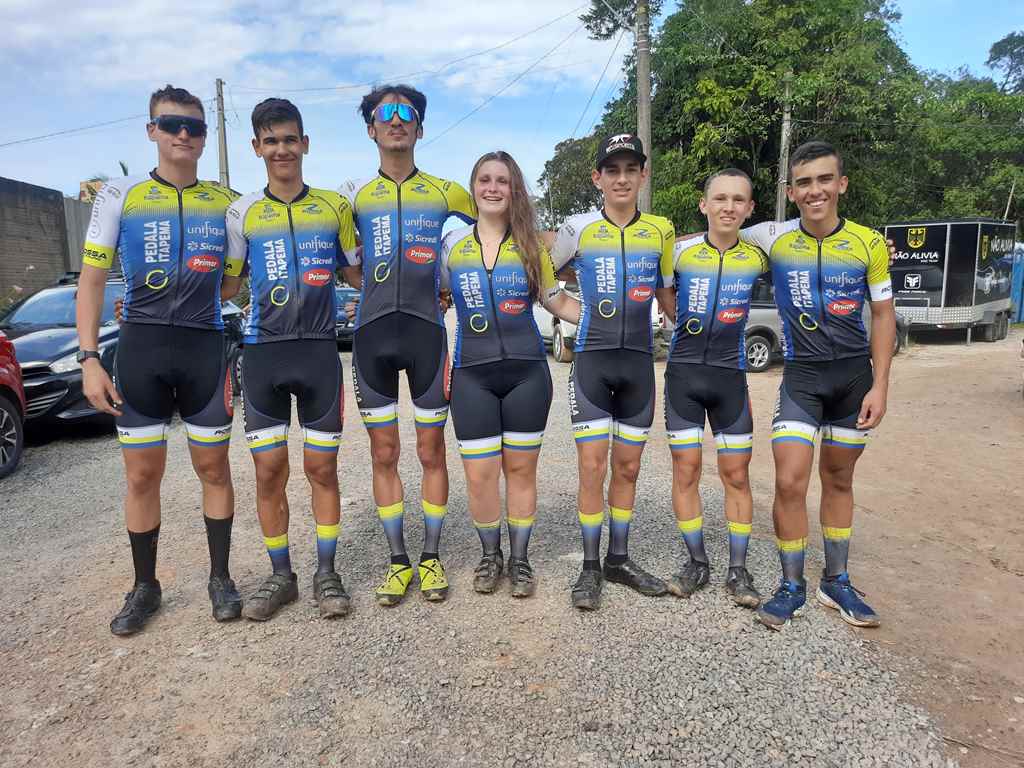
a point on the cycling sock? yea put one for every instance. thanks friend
(391, 517)
(490, 535)
(218, 539)
(591, 526)
(144, 554)
(791, 555)
(693, 537)
(618, 533)
(519, 530)
(277, 548)
(837, 549)
(739, 537)
(326, 546)
(425, 555)
(591, 565)
(433, 520)
(401, 560)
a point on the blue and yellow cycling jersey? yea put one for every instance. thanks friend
(494, 306)
(713, 291)
(292, 251)
(617, 271)
(400, 226)
(820, 285)
(171, 244)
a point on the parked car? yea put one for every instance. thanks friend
(42, 328)
(12, 408)
(562, 335)
(343, 326)
(764, 329)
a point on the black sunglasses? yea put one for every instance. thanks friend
(173, 124)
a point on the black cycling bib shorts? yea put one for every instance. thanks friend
(160, 368)
(400, 342)
(611, 395)
(310, 370)
(694, 392)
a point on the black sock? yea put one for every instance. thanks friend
(613, 559)
(144, 554)
(218, 538)
(591, 565)
(402, 559)
(428, 556)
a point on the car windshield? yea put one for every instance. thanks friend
(56, 306)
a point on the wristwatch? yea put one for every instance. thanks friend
(85, 354)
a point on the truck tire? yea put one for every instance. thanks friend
(759, 353)
(989, 332)
(12, 436)
(559, 349)
(1004, 327)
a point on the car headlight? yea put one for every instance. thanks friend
(68, 363)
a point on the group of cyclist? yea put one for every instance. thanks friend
(185, 245)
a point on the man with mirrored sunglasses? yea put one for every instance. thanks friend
(167, 229)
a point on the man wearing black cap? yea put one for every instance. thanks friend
(615, 253)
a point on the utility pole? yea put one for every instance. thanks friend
(787, 115)
(643, 92)
(222, 139)
(1009, 200)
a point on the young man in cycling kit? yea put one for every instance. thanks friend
(399, 214)
(167, 228)
(707, 287)
(293, 239)
(824, 267)
(615, 253)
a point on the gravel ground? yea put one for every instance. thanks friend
(477, 681)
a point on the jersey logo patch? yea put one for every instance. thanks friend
(641, 292)
(731, 315)
(842, 307)
(420, 254)
(512, 306)
(203, 263)
(316, 277)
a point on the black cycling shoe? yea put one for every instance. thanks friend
(520, 573)
(227, 603)
(275, 591)
(634, 577)
(330, 595)
(139, 604)
(740, 584)
(487, 573)
(694, 576)
(586, 592)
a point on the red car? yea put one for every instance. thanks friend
(12, 408)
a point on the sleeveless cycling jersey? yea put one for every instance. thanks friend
(617, 271)
(293, 251)
(400, 226)
(713, 291)
(171, 245)
(494, 306)
(820, 285)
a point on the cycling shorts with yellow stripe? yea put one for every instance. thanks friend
(611, 395)
(163, 368)
(310, 370)
(825, 395)
(693, 392)
(500, 405)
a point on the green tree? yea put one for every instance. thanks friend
(606, 17)
(1007, 56)
(566, 182)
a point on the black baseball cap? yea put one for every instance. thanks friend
(620, 142)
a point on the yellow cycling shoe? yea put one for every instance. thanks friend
(433, 584)
(396, 582)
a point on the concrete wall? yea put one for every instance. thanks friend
(33, 236)
(76, 214)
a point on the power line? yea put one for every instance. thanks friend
(598, 83)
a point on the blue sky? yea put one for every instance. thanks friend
(70, 66)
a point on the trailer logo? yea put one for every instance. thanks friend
(916, 237)
(912, 281)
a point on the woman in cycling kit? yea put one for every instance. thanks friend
(501, 387)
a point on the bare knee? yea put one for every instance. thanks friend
(272, 474)
(431, 454)
(735, 478)
(593, 468)
(837, 479)
(686, 471)
(790, 484)
(626, 470)
(213, 471)
(385, 453)
(144, 478)
(322, 473)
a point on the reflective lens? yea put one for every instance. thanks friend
(174, 123)
(406, 113)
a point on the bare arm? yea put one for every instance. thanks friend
(229, 287)
(96, 383)
(564, 307)
(667, 301)
(883, 339)
(353, 276)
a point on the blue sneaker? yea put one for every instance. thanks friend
(837, 592)
(787, 602)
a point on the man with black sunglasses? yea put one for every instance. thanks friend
(167, 228)
(399, 214)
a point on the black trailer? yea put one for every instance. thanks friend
(954, 274)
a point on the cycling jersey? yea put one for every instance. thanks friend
(400, 225)
(292, 251)
(617, 270)
(494, 306)
(712, 300)
(171, 245)
(820, 285)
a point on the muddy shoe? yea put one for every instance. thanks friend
(433, 583)
(396, 582)
(634, 577)
(586, 592)
(520, 573)
(139, 604)
(277, 590)
(330, 595)
(227, 603)
(740, 584)
(488, 572)
(695, 575)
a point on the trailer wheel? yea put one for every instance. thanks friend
(989, 332)
(1004, 327)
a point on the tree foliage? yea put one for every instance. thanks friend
(607, 17)
(1007, 56)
